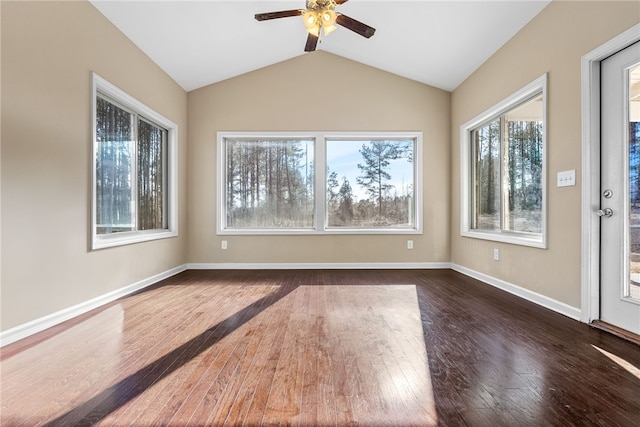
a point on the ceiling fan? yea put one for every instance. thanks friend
(320, 14)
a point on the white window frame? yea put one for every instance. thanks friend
(100, 241)
(538, 240)
(320, 181)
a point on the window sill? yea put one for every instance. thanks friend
(121, 239)
(311, 232)
(522, 239)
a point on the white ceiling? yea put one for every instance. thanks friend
(439, 43)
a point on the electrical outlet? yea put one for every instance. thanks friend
(409, 244)
(496, 254)
(224, 244)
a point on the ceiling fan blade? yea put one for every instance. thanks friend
(339, 2)
(312, 42)
(356, 26)
(275, 15)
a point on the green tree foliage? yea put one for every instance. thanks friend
(151, 176)
(375, 176)
(114, 136)
(345, 199)
(131, 164)
(269, 183)
(487, 170)
(332, 188)
(634, 162)
(525, 165)
(508, 163)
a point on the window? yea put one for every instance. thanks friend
(318, 183)
(503, 170)
(134, 196)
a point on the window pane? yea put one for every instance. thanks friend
(370, 183)
(269, 183)
(523, 172)
(486, 149)
(151, 176)
(114, 198)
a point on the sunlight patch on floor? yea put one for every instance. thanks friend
(633, 370)
(374, 334)
(90, 350)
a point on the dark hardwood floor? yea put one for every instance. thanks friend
(321, 348)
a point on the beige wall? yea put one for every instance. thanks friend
(48, 52)
(552, 43)
(359, 98)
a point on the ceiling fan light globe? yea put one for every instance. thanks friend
(329, 29)
(312, 22)
(328, 17)
(310, 19)
(314, 30)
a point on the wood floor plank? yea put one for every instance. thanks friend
(214, 380)
(258, 405)
(210, 366)
(237, 413)
(165, 358)
(309, 399)
(96, 377)
(321, 348)
(339, 327)
(326, 404)
(282, 402)
(154, 400)
(247, 360)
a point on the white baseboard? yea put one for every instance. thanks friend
(26, 329)
(319, 266)
(544, 301)
(22, 331)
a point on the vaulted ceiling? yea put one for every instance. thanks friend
(439, 43)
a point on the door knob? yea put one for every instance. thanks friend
(606, 212)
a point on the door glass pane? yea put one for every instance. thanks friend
(633, 289)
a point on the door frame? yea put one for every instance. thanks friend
(590, 82)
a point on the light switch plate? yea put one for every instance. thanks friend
(567, 178)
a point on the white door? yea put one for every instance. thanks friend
(620, 190)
